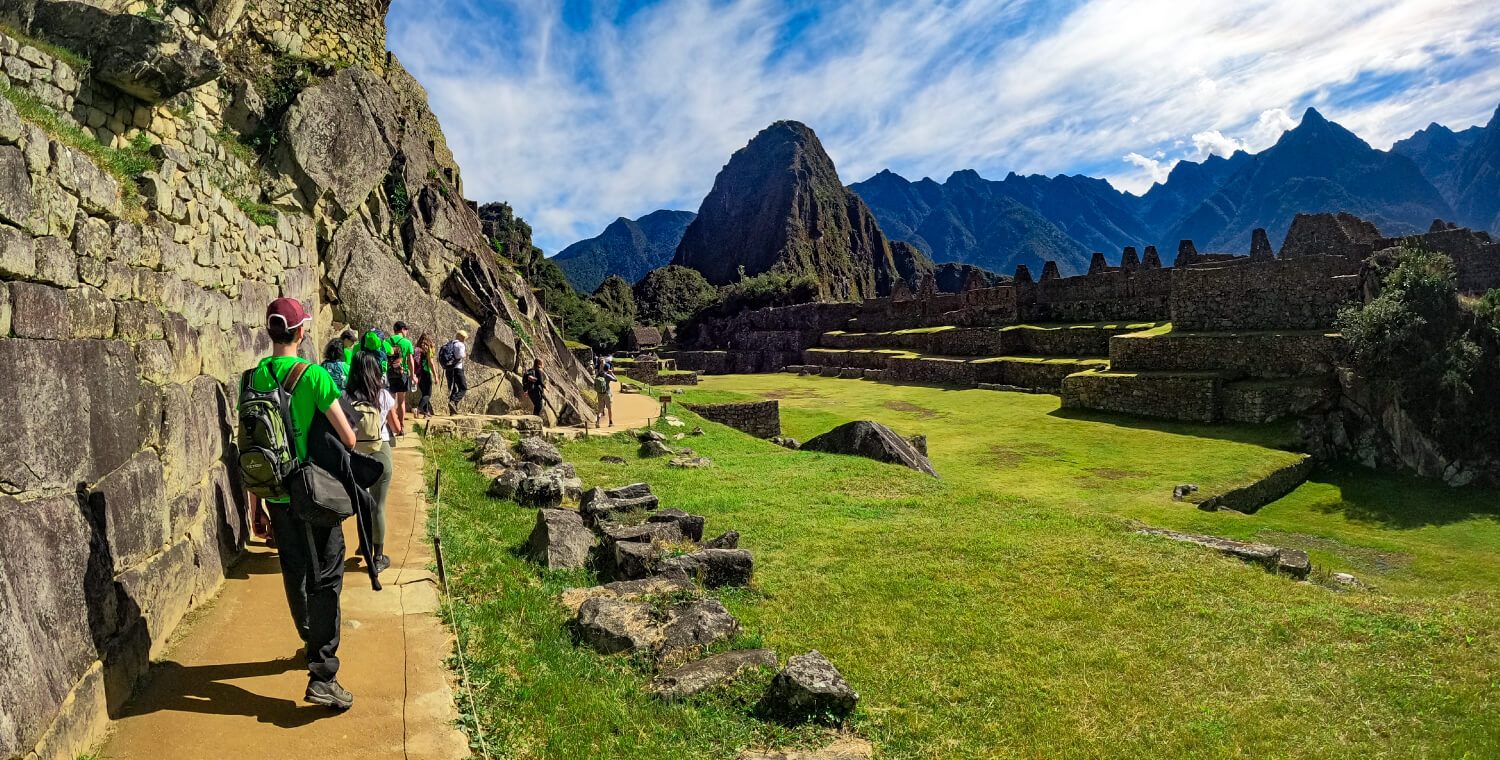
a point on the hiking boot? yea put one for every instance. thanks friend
(329, 694)
(382, 563)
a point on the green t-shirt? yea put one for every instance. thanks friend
(315, 392)
(404, 348)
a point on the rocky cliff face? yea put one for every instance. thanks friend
(778, 205)
(163, 174)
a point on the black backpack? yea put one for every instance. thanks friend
(448, 354)
(267, 455)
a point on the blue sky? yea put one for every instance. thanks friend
(579, 112)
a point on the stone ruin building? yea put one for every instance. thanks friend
(1251, 339)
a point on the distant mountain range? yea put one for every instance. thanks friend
(627, 247)
(1318, 166)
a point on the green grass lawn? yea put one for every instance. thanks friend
(1008, 610)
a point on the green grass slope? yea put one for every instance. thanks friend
(1008, 610)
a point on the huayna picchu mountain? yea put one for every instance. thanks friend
(778, 205)
(627, 247)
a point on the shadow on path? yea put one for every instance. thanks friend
(202, 689)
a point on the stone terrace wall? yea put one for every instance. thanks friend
(1140, 295)
(1302, 293)
(1251, 354)
(761, 419)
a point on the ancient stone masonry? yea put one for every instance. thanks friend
(761, 419)
(132, 294)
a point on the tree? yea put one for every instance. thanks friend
(672, 294)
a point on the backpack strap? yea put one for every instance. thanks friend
(288, 386)
(293, 377)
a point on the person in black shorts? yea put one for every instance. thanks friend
(399, 374)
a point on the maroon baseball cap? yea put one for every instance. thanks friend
(287, 311)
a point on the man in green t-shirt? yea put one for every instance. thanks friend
(351, 344)
(311, 558)
(399, 377)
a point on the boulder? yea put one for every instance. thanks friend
(550, 488)
(560, 541)
(809, 686)
(671, 582)
(539, 451)
(632, 491)
(633, 560)
(714, 567)
(505, 485)
(690, 463)
(649, 435)
(691, 526)
(699, 431)
(692, 627)
(786, 443)
(649, 532)
(596, 505)
(872, 440)
(612, 460)
(729, 539)
(613, 626)
(701, 675)
(494, 451)
(654, 448)
(341, 135)
(142, 57)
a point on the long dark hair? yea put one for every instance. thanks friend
(365, 379)
(334, 351)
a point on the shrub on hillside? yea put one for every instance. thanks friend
(1439, 356)
(614, 297)
(578, 318)
(672, 294)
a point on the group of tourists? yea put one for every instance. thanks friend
(315, 447)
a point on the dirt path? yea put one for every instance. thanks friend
(232, 686)
(632, 410)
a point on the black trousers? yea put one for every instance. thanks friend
(312, 588)
(424, 384)
(536, 403)
(458, 386)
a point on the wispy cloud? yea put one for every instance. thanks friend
(579, 114)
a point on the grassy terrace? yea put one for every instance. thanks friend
(1008, 610)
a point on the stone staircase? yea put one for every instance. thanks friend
(1013, 357)
(1232, 376)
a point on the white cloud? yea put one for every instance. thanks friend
(1213, 143)
(575, 128)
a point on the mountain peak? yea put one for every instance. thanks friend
(1311, 116)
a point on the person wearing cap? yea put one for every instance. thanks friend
(313, 596)
(458, 385)
(402, 371)
(376, 343)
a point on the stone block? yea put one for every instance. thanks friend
(55, 261)
(135, 321)
(119, 280)
(53, 209)
(37, 150)
(11, 126)
(15, 186)
(184, 343)
(155, 359)
(4, 310)
(39, 311)
(133, 503)
(162, 588)
(91, 271)
(17, 252)
(90, 313)
(193, 432)
(56, 600)
(127, 244)
(92, 237)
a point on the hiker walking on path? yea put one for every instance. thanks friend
(351, 344)
(533, 382)
(377, 343)
(423, 361)
(605, 402)
(400, 376)
(451, 357)
(312, 570)
(373, 436)
(335, 363)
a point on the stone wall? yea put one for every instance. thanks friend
(1188, 396)
(1302, 293)
(1268, 354)
(125, 318)
(761, 419)
(1250, 498)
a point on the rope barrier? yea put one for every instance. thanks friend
(463, 666)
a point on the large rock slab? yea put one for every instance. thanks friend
(714, 568)
(341, 136)
(1293, 562)
(612, 626)
(671, 582)
(632, 560)
(701, 675)
(649, 532)
(809, 687)
(871, 440)
(143, 57)
(690, 526)
(560, 541)
(494, 451)
(136, 512)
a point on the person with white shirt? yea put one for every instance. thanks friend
(452, 358)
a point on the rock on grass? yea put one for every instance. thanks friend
(809, 687)
(702, 675)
